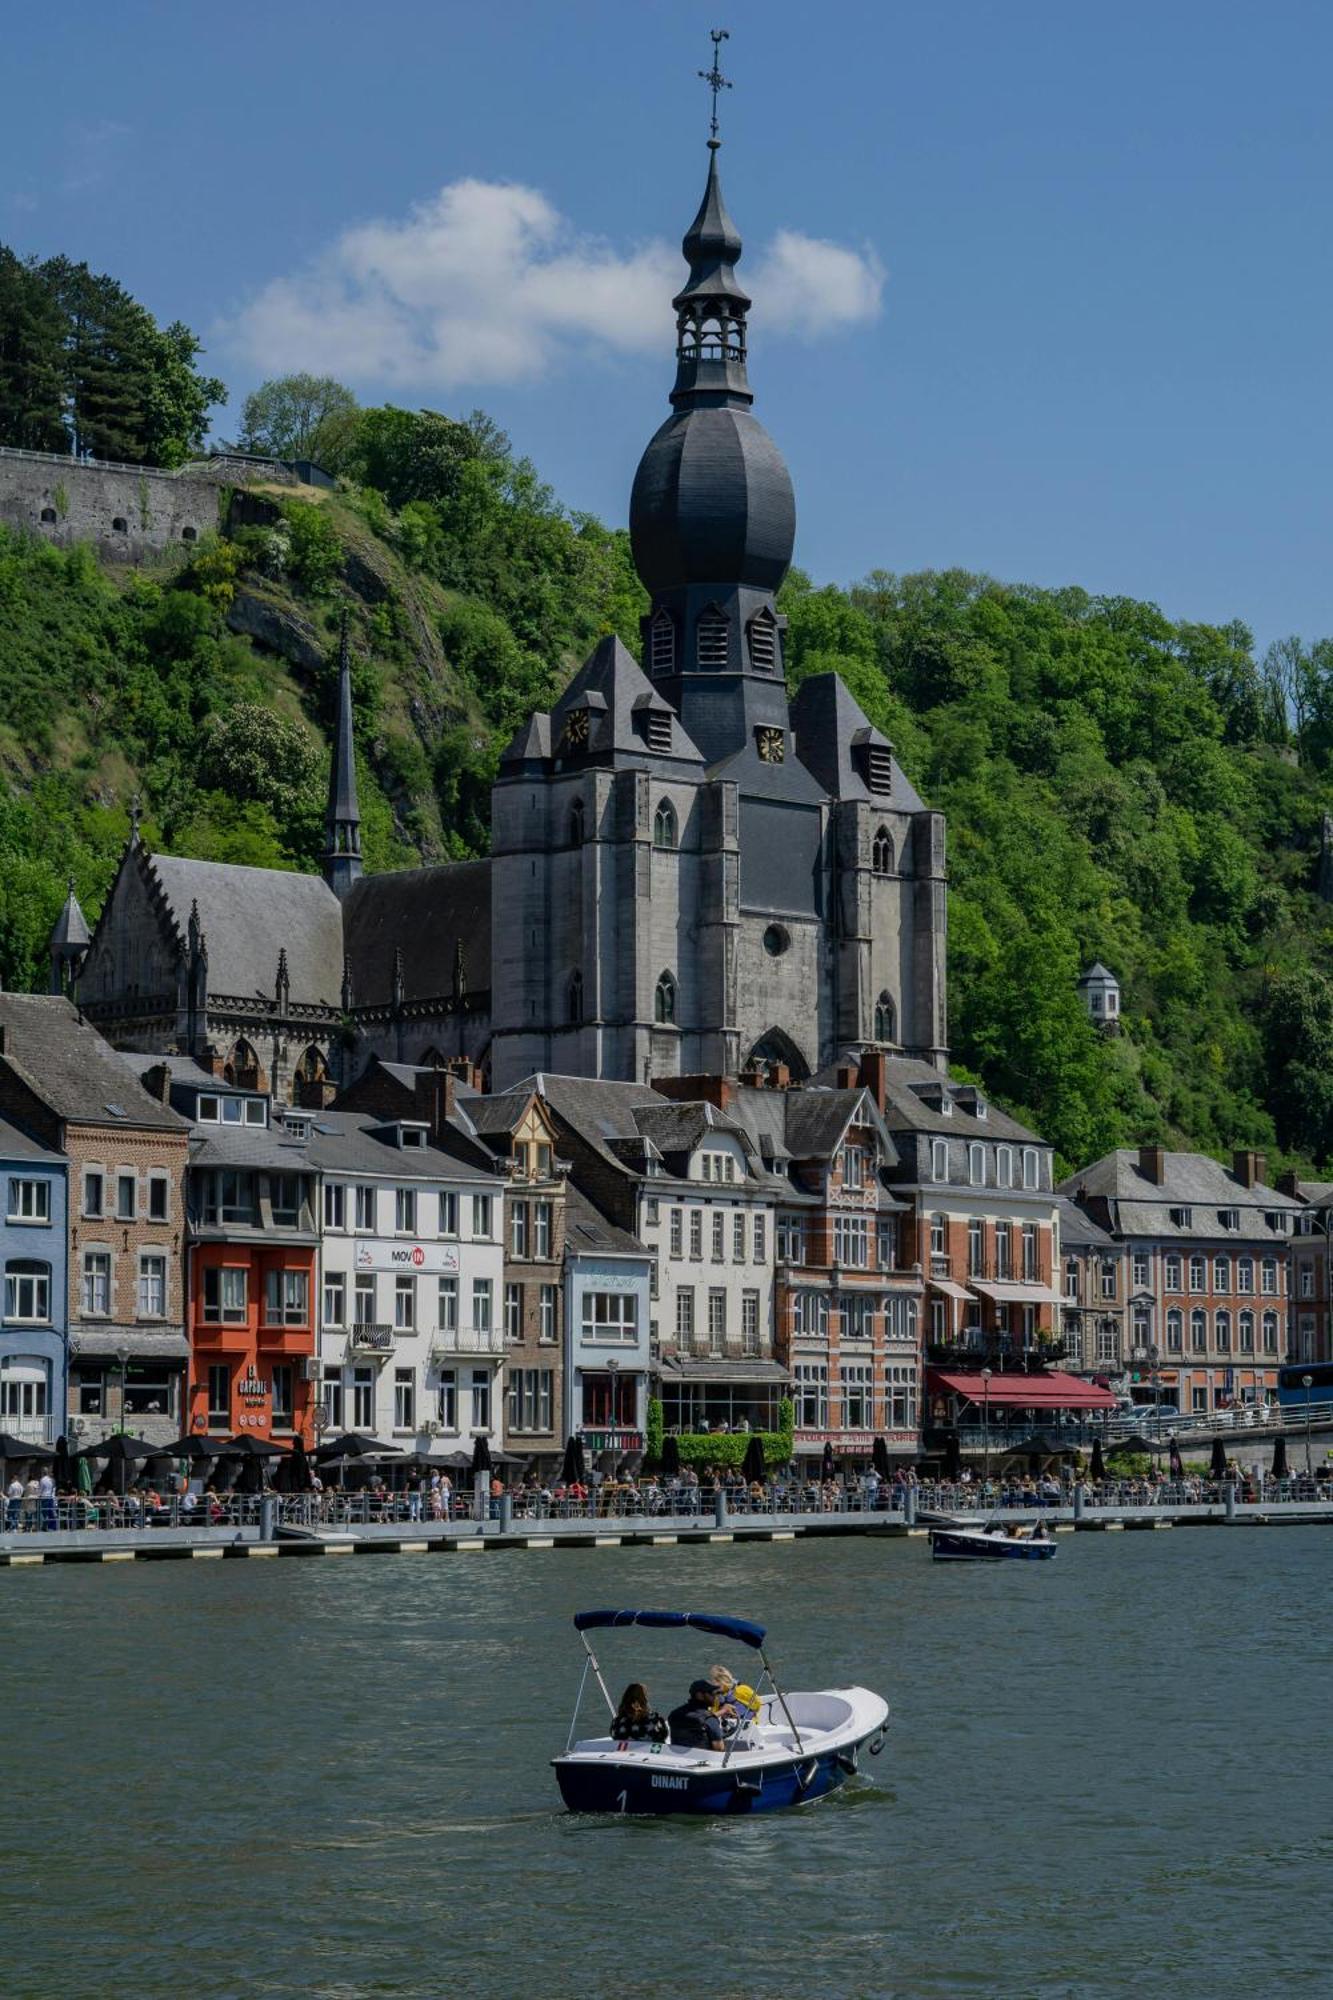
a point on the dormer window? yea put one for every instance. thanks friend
(655, 728)
(662, 643)
(879, 768)
(411, 1135)
(881, 852)
(763, 638)
(710, 641)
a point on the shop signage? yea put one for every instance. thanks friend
(252, 1388)
(407, 1257)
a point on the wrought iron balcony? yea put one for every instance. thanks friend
(368, 1338)
(451, 1340)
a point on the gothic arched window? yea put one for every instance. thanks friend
(664, 825)
(884, 1018)
(577, 824)
(881, 853)
(241, 1068)
(664, 1001)
(710, 638)
(662, 643)
(763, 635)
(312, 1067)
(574, 1000)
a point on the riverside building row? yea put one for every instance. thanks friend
(428, 1263)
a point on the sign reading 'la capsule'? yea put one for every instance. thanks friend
(407, 1257)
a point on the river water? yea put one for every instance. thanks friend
(1107, 1775)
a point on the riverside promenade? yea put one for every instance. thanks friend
(277, 1527)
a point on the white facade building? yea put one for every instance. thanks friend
(411, 1337)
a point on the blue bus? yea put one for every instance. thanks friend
(1291, 1383)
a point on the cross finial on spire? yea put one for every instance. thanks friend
(716, 81)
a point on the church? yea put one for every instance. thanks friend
(690, 873)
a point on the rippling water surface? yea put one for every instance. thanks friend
(1107, 1775)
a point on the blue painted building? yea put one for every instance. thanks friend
(607, 1332)
(34, 1325)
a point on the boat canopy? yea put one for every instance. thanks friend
(703, 1621)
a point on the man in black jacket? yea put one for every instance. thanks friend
(695, 1725)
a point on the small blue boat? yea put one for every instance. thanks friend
(793, 1749)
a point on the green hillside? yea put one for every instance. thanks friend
(1116, 785)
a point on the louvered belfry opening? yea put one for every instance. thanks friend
(710, 638)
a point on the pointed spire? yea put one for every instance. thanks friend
(712, 305)
(460, 971)
(347, 985)
(399, 984)
(70, 938)
(342, 826)
(282, 985)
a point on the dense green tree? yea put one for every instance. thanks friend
(300, 416)
(32, 331)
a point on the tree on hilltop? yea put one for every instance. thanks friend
(299, 416)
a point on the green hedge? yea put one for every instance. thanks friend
(725, 1448)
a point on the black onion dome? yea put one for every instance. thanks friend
(712, 503)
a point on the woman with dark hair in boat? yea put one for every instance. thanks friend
(635, 1721)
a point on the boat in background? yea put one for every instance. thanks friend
(992, 1542)
(793, 1749)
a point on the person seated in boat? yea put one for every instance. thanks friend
(635, 1721)
(735, 1704)
(696, 1725)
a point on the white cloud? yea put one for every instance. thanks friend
(487, 283)
(809, 287)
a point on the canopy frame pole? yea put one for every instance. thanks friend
(592, 1662)
(791, 1719)
(578, 1703)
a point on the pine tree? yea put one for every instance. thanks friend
(31, 358)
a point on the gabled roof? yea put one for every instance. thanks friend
(828, 723)
(247, 915)
(611, 672)
(910, 1085)
(1187, 1179)
(426, 914)
(358, 1142)
(68, 1067)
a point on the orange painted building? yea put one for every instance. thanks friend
(252, 1335)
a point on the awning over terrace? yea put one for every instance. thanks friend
(1021, 1392)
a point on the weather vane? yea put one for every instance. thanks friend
(715, 80)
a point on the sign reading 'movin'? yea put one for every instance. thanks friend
(407, 1257)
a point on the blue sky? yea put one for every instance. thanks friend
(1071, 284)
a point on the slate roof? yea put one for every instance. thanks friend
(827, 720)
(611, 672)
(71, 926)
(69, 1067)
(15, 1144)
(185, 1072)
(1078, 1231)
(426, 913)
(247, 916)
(907, 1110)
(357, 1142)
(589, 1234)
(1098, 971)
(1141, 1207)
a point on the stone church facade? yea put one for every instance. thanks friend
(690, 873)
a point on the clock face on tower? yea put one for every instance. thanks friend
(576, 729)
(772, 745)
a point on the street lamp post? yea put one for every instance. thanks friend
(985, 1424)
(1307, 1383)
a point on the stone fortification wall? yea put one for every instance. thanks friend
(126, 511)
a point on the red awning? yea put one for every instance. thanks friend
(1023, 1392)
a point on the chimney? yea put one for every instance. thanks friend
(436, 1095)
(1289, 1183)
(779, 1076)
(718, 1091)
(874, 1075)
(845, 1076)
(1152, 1164)
(157, 1082)
(1250, 1169)
(753, 1078)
